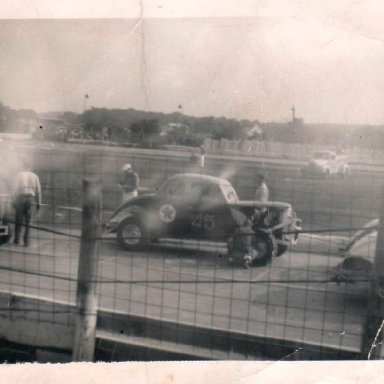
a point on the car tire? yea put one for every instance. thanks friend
(265, 245)
(281, 249)
(132, 234)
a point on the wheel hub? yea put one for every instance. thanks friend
(132, 234)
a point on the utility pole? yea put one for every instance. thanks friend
(86, 299)
(373, 332)
(86, 97)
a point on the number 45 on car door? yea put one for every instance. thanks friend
(203, 222)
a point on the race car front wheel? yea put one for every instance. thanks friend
(132, 235)
(265, 246)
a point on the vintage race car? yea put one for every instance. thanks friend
(202, 207)
(359, 255)
(327, 163)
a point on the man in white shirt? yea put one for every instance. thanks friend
(202, 157)
(27, 190)
(128, 182)
(262, 191)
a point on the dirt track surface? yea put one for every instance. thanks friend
(291, 300)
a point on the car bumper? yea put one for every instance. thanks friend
(110, 227)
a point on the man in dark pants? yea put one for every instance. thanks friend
(27, 191)
(239, 246)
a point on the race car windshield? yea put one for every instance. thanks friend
(229, 193)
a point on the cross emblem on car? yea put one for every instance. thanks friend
(167, 213)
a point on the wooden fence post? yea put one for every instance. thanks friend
(86, 299)
(373, 332)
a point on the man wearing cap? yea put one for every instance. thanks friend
(128, 182)
(27, 190)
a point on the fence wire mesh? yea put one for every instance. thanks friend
(181, 298)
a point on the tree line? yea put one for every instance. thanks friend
(153, 129)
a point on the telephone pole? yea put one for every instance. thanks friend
(86, 299)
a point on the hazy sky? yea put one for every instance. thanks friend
(326, 60)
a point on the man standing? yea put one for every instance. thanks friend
(202, 157)
(27, 190)
(128, 182)
(262, 192)
(193, 159)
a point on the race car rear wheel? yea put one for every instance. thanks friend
(266, 248)
(132, 235)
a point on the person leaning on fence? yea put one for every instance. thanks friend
(128, 182)
(27, 191)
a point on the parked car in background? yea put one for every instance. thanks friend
(202, 207)
(359, 255)
(326, 163)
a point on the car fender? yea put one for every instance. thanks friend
(122, 214)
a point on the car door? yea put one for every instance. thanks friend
(180, 209)
(193, 210)
(171, 208)
(211, 220)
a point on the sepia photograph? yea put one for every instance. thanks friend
(184, 183)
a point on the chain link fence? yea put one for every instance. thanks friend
(181, 299)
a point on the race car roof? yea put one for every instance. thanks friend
(198, 176)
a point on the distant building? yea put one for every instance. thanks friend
(56, 128)
(180, 128)
(50, 128)
(19, 129)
